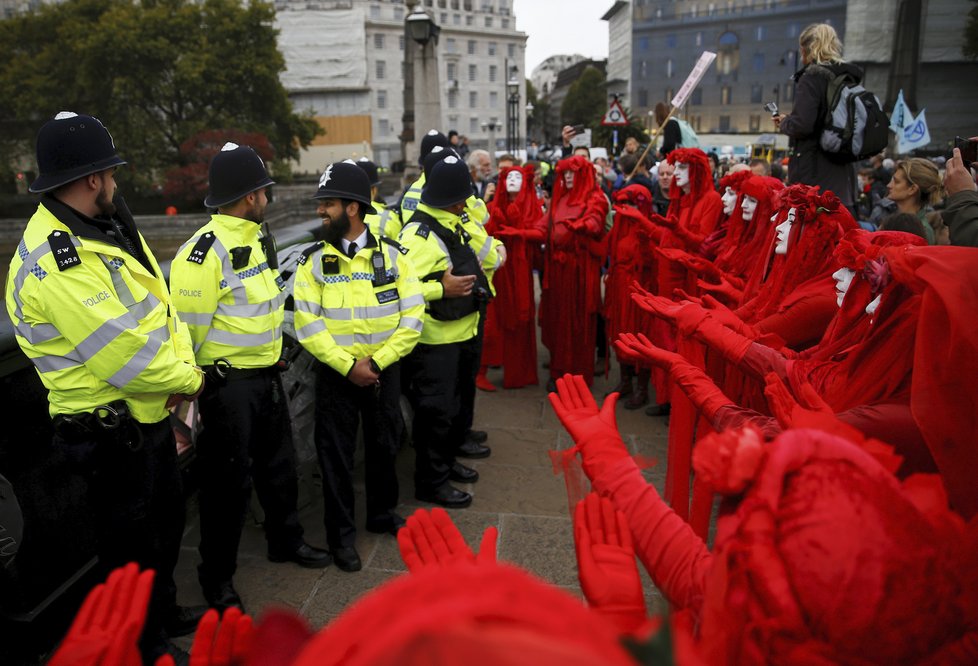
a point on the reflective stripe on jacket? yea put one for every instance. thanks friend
(234, 312)
(343, 312)
(100, 330)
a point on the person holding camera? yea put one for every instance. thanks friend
(961, 211)
(452, 256)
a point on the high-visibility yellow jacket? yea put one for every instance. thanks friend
(385, 223)
(348, 309)
(100, 329)
(429, 255)
(475, 207)
(224, 290)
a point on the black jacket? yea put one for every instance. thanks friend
(809, 165)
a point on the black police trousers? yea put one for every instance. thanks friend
(341, 406)
(246, 437)
(441, 390)
(136, 498)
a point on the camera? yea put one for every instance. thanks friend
(772, 108)
(969, 151)
(579, 129)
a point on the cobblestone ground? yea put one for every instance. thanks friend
(518, 492)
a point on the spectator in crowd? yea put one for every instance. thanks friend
(821, 53)
(628, 163)
(463, 146)
(660, 189)
(480, 168)
(961, 211)
(760, 167)
(632, 146)
(942, 233)
(907, 222)
(914, 188)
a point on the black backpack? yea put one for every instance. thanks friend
(855, 126)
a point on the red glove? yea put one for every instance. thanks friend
(681, 295)
(595, 433)
(694, 320)
(661, 307)
(811, 411)
(667, 222)
(606, 564)
(724, 288)
(226, 645)
(695, 383)
(431, 539)
(107, 627)
(688, 238)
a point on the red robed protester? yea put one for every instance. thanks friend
(571, 298)
(821, 556)
(515, 217)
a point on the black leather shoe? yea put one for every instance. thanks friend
(463, 474)
(470, 449)
(659, 410)
(447, 496)
(183, 620)
(388, 524)
(220, 596)
(477, 436)
(305, 556)
(347, 559)
(551, 385)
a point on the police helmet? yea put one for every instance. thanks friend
(235, 172)
(431, 139)
(346, 180)
(437, 154)
(449, 184)
(72, 146)
(370, 169)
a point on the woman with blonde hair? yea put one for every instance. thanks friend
(821, 55)
(915, 187)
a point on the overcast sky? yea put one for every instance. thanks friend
(557, 27)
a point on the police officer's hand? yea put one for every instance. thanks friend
(457, 285)
(200, 389)
(362, 374)
(956, 177)
(501, 250)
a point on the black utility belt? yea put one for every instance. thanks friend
(234, 374)
(110, 421)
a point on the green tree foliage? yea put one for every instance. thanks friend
(156, 72)
(586, 100)
(970, 48)
(603, 136)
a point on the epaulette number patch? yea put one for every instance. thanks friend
(65, 254)
(199, 251)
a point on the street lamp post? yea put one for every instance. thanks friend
(420, 39)
(529, 120)
(492, 127)
(512, 111)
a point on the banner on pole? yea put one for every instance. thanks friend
(703, 64)
(914, 134)
(901, 115)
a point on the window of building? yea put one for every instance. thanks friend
(400, 42)
(696, 98)
(398, 13)
(473, 125)
(473, 72)
(467, 5)
(725, 95)
(473, 99)
(444, 18)
(471, 47)
(442, 4)
(381, 99)
(383, 127)
(378, 40)
(696, 122)
(756, 93)
(724, 123)
(670, 41)
(492, 48)
(375, 11)
(505, 23)
(488, 21)
(456, 19)
(758, 62)
(670, 67)
(643, 69)
(643, 97)
(794, 29)
(454, 4)
(451, 46)
(728, 53)
(643, 44)
(755, 123)
(699, 38)
(381, 69)
(511, 50)
(452, 71)
(492, 73)
(453, 99)
(493, 100)
(469, 19)
(760, 33)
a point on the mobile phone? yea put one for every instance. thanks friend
(969, 151)
(771, 108)
(578, 129)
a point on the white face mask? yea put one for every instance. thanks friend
(784, 230)
(874, 305)
(681, 177)
(729, 199)
(514, 182)
(843, 280)
(748, 206)
(569, 180)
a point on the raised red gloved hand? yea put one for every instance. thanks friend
(667, 222)
(107, 627)
(594, 432)
(661, 307)
(724, 288)
(640, 348)
(219, 641)
(606, 564)
(431, 539)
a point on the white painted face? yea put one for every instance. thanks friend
(749, 207)
(569, 179)
(874, 305)
(681, 177)
(783, 231)
(843, 280)
(514, 181)
(729, 199)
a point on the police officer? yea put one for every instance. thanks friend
(387, 220)
(452, 260)
(412, 196)
(226, 288)
(359, 311)
(92, 311)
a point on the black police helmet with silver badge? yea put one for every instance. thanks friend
(346, 180)
(72, 146)
(370, 169)
(431, 139)
(235, 172)
(449, 184)
(437, 154)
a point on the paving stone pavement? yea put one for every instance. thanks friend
(518, 492)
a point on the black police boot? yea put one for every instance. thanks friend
(462, 474)
(470, 449)
(222, 595)
(305, 555)
(182, 620)
(445, 495)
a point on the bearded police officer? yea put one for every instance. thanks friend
(92, 311)
(359, 311)
(452, 260)
(227, 289)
